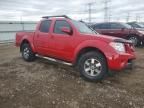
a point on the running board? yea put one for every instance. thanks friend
(54, 60)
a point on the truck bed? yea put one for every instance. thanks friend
(23, 34)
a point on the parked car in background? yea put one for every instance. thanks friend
(121, 30)
(72, 42)
(136, 25)
(89, 24)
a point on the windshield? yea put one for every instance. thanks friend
(83, 28)
(140, 25)
(137, 25)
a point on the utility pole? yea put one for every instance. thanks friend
(22, 23)
(106, 10)
(139, 18)
(128, 17)
(90, 4)
(136, 18)
(109, 18)
(90, 10)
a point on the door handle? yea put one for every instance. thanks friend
(111, 32)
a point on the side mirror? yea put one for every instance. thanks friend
(66, 30)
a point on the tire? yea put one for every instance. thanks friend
(27, 53)
(88, 69)
(135, 40)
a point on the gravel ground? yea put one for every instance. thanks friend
(45, 84)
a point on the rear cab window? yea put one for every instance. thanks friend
(45, 26)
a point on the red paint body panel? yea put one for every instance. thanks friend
(67, 47)
(119, 61)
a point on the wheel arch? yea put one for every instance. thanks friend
(28, 42)
(88, 49)
(130, 35)
(137, 36)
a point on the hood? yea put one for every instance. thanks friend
(109, 39)
(115, 39)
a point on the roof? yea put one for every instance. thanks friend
(57, 16)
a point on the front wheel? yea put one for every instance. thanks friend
(27, 53)
(134, 40)
(92, 66)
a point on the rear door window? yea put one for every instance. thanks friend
(45, 26)
(115, 26)
(102, 26)
(105, 26)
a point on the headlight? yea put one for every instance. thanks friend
(120, 47)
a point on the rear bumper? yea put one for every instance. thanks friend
(121, 61)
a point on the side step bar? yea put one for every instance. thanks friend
(54, 60)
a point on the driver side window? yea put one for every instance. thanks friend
(59, 24)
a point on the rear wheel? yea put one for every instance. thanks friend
(27, 52)
(92, 66)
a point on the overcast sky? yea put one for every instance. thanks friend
(32, 10)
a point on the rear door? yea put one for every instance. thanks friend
(42, 38)
(102, 28)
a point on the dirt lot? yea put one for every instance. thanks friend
(44, 84)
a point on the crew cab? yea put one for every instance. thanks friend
(62, 39)
(121, 30)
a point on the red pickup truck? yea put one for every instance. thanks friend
(71, 42)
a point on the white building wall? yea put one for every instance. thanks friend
(9, 29)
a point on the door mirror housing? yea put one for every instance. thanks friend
(66, 30)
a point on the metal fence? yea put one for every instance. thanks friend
(8, 30)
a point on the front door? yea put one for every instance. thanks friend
(118, 30)
(63, 43)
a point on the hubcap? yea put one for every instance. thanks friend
(134, 40)
(26, 53)
(92, 67)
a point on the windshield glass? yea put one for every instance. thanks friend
(136, 26)
(83, 28)
(140, 25)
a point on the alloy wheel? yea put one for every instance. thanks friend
(92, 67)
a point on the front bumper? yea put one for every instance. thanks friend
(129, 65)
(121, 61)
